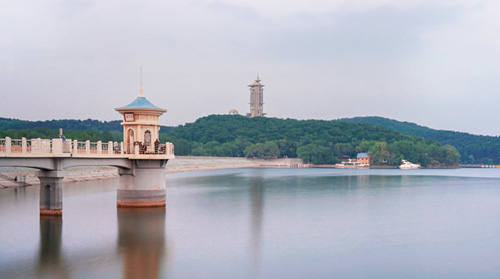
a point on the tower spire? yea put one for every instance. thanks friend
(141, 93)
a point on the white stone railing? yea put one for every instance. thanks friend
(75, 147)
(167, 148)
(3, 146)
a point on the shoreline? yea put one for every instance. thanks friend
(194, 164)
(21, 177)
(377, 167)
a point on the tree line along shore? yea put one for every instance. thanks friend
(314, 141)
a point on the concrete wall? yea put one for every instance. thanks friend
(199, 163)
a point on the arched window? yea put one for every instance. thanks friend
(131, 140)
(147, 138)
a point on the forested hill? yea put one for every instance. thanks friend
(93, 130)
(66, 124)
(473, 148)
(90, 129)
(314, 141)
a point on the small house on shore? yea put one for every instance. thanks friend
(363, 158)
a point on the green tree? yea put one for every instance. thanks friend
(344, 149)
(452, 157)
(472, 160)
(316, 154)
(267, 150)
(379, 154)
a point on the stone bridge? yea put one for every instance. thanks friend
(142, 173)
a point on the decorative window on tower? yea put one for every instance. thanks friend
(129, 117)
(147, 138)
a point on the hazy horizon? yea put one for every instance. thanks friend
(420, 61)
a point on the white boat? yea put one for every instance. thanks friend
(352, 164)
(339, 165)
(407, 165)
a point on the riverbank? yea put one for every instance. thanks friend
(16, 177)
(198, 163)
(384, 167)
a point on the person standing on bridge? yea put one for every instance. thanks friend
(157, 145)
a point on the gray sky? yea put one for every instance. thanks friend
(435, 63)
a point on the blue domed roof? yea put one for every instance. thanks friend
(140, 103)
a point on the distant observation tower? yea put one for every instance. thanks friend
(256, 98)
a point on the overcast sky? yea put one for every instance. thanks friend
(435, 63)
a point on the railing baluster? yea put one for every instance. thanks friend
(59, 146)
(24, 145)
(8, 145)
(87, 147)
(2, 146)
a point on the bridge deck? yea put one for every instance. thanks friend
(62, 148)
(58, 154)
(95, 156)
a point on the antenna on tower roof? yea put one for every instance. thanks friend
(141, 93)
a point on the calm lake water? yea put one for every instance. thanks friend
(264, 223)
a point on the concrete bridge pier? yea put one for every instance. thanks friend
(50, 192)
(144, 185)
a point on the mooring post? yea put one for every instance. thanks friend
(144, 185)
(50, 192)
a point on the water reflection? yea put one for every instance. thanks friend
(257, 209)
(20, 193)
(141, 241)
(263, 224)
(50, 262)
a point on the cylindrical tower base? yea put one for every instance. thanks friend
(141, 198)
(51, 212)
(143, 186)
